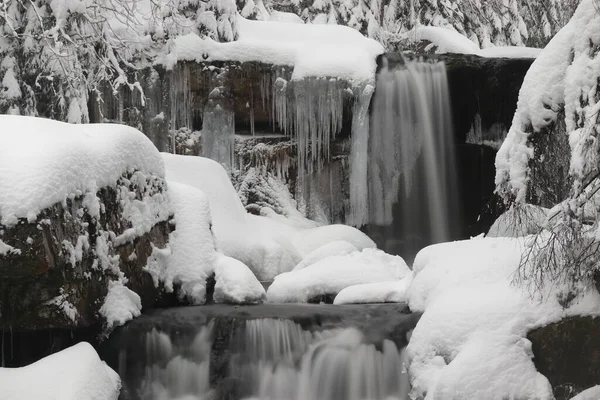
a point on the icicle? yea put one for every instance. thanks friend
(359, 209)
(181, 113)
(218, 130)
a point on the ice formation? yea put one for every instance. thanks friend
(218, 130)
(411, 147)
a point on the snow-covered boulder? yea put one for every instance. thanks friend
(335, 248)
(550, 146)
(237, 233)
(310, 240)
(379, 292)
(76, 373)
(326, 278)
(519, 221)
(236, 284)
(471, 341)
(80, 206)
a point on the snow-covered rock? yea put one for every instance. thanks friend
(471, 340)
(562, 78)
(311, 50)
(120, 305)
(519, 221)
(330, 275)
(237, 234)
(81, 207)
(76, 373)
(310, 240)
(335, 248)
(380, 292)
(592, 393)
(236, 284)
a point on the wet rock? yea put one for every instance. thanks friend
(568, 354)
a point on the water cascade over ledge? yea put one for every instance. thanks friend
(411, 163)
(265, 352)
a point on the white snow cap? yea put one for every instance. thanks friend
(236, 284)
(75, 373)
(121, 304)
(332, 274)
(44, 162)
(311, 50)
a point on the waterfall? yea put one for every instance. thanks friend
(218, 130)
(268, 359)
(411, 167)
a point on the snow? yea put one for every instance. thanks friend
(335, 248)
(380, 292)
(75, 373)
(310, 240)
(550, 82)
(331, 275)
(312, 50)
(6, 249)
(448, 40)
(592, 393)
(236, 284)
(471, 340)
(120, 305)
(192, 253)
(519, 221)
(254, 240)
(44, 162)
(280, 16)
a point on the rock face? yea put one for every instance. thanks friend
(58, 277)
(568, 354)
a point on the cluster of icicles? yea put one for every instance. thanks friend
(277, 360)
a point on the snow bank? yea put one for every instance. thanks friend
(589, 394)
(253, 240)
(310, 240)
(471, 341)
(120, 305)
(44, 162)
(236, 284)
(380, 292)
(555, 79)
(335, 248)
(312, 50)
(75, 373)
(331, 275)
(448, 40)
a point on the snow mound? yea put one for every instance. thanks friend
(120, 305)
(44, 162)
(330, 275)
(380, 292)
(471, 341)
(448, 40)
(247, 238)
(312, 50)
(236, 284)
(75, 373)
(335, 248)
(519, 221)
(310, 240)
(192, 257)
(592, 393)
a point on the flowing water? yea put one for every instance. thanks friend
(305, 353)
(412, 167)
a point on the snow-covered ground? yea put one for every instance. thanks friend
(76, 373)
(471, 341)
(311, 50)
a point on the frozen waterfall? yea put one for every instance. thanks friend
(411, 162)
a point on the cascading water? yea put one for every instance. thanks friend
(266, 359)
(411, 167)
